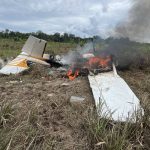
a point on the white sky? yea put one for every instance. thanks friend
(79, 17)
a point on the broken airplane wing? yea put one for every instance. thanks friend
(113, 97)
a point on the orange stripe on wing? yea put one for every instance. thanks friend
(21, 63)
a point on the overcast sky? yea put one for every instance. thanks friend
(80, 17)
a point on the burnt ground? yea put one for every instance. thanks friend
(36, 112)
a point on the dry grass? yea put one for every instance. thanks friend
(139, 81)
(39, 121)
(32, 120)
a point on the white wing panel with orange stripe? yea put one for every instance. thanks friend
(15, 66)
(33, 51)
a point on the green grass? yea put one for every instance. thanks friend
(108, 135)
(11, 48)
(59, 48)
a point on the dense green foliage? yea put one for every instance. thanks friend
(57, 37)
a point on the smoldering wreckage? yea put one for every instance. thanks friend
(109, 90)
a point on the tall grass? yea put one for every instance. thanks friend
(108, 135)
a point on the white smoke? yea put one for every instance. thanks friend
(73, 54)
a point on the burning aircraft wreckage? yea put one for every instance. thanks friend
(109, 90)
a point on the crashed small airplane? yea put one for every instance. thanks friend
(32, 51)
(108, 88)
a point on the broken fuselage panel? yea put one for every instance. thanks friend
(33, 51)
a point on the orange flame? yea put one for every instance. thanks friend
(99, 62)
(92, 63)
(72, 75)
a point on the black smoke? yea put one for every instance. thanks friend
(137, 25)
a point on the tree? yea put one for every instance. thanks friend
(56, 37)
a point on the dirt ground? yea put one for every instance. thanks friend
(46, 99)
(39, 114)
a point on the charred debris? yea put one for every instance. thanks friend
(78, 63)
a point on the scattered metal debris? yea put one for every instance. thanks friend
(65, 84)
(76, 99)
(62, 69)
(13, 82)
(50, 95)
(100, 143)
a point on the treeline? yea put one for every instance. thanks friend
(57, 37)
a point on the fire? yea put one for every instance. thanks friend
(98, 63)
(72, 74)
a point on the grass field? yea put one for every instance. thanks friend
(11, 48)
(36, 114)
